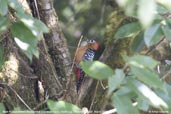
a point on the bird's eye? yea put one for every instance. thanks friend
(92, 41)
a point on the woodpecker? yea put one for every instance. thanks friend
(86, 52)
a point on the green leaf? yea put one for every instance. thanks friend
(153, 35)
(138, 43)
(41, 26)
(146, 12)
(123, 105)
(147, 76)
(115, 80)
(2, 108)
(142, 104)
(127, 30)
(166, 30)
(15, 5)
(61, 107)
(3, 7)
(164, 93)
(126, 91)
(97, 70)
(36, 26)
(24, 39)
(145, 91)
(2, 59)
(141, 61)
(4, 23)
(21, 31)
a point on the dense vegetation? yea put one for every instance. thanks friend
(133, 63)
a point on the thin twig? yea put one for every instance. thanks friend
(166, 75)
(94, 95)
(37, 10)
(5, 84)
(102, 85)
(150, 50)
(76, 52)
(20, 98)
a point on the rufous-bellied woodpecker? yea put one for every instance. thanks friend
(85, 52)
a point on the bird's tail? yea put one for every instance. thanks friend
(79, 78)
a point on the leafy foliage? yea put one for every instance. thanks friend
(61, 107)
(27, 31)
(143, 85)
(115, 80)
(138, 43)
(96, 70)
(137, 86)
(123, 102)
(153, 35)
(128, 30)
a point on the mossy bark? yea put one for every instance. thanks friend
(16, 77)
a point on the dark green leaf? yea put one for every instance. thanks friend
(3, 7)
(138, 43)
(141, 61)
(20, 31)
(61, 106)
(4, 23)
(24, 39)
(153, 35)
(97, 70)
(127, 30)
(167, 31)
(115, 80)
(147, 76)
(123, 105)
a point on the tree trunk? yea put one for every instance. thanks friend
(20, 79)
